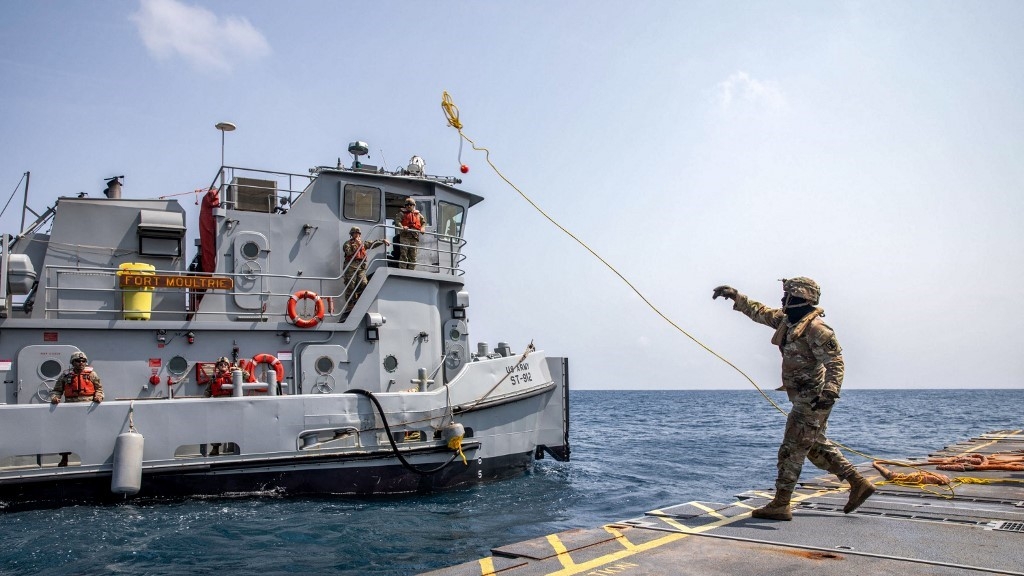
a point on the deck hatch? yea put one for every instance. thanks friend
(1010, 526)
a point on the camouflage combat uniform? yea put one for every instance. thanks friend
(409, 237)
(66, 380)
(355, 270)
(812, 362)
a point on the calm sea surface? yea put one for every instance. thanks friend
(631, 452)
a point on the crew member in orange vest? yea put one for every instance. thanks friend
(222, 376)
(79, 384)
(409, 223)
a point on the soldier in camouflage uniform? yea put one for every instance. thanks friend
(409, 223)
(812, 374)
(355, 264)
(79, 384)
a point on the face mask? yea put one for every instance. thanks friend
(795, 307)
(796, 313)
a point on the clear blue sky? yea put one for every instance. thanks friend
(873, 146)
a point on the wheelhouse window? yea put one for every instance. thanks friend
(449, 219)
(361, 203)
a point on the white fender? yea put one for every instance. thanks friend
(127, 474)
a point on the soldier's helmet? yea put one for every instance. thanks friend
(802, 287)
(224, 359)
(355, 230)
(79, 356)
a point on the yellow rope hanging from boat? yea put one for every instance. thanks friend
(452, 113)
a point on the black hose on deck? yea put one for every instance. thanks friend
(387, 429)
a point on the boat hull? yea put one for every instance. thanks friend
(331, 477)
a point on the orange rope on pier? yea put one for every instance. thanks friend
(980, 462)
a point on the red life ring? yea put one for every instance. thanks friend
(272, 361)
(318, 312)
(279, 368)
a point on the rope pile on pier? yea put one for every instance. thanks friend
(919, 478)
(980, 462)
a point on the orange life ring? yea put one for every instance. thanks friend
(318, 312)
(272, 361)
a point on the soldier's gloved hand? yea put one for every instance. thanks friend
(824, 401)
(727, 292)
(97, 399)
(54, 400)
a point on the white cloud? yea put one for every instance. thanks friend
(170, 28)
(740, 90)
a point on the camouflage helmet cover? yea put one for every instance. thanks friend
(355, 230)
(79, 355)
(224, 359)
(802, 287)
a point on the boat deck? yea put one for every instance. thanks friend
(900, 530)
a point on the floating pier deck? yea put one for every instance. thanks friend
(977, 528)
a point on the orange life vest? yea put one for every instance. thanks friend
(413, 219)
(360, 253)
(216, 389)
(80, 384)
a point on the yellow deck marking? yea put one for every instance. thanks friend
(559, 548)
(487, 566)
(608, 558)
(620, 537)
(569, 567)
(710, 511)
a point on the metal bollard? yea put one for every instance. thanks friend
(422, 380)
(271, 383)
(236, 383)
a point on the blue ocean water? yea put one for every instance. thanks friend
(631, 452)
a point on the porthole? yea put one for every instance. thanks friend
(390, 363)
(250, 250)
(455, 334)
(177, 366)
(324, 365)
(50, 369)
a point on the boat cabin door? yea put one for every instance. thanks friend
(251, 252)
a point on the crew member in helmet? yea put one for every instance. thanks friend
(409, 223)
(221, 376)
(355, 264)
(812, 374)
(80, 383)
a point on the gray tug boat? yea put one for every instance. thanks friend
(348, 393)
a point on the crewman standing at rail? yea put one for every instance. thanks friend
(78, 384)
(355, 264)
(812, 374)
(410, 224)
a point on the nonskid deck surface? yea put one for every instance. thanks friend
(900, 530)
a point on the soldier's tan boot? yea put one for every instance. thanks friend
(777, 509)
(860, 490)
